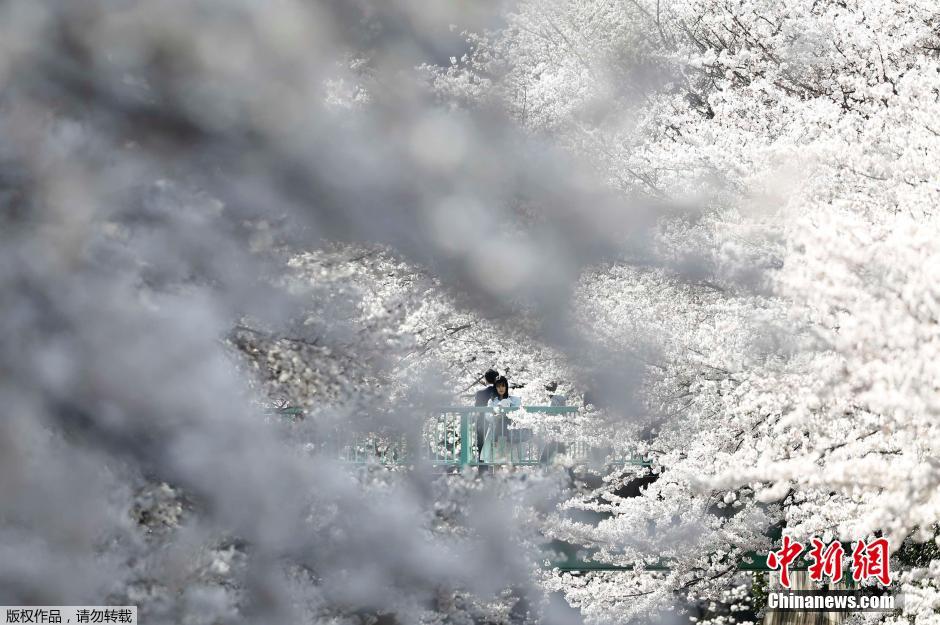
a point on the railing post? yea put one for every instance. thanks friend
(464, 439)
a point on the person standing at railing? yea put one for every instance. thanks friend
(498, 433)
(555, 399)
(502, 398)
(481, 399)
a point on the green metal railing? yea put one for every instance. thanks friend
(749, 561)
(451, 437)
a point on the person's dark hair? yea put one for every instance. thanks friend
(490, 376)
(501, 380)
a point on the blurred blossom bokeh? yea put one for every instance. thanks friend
(162, 162)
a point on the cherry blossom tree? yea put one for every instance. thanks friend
(788, 372)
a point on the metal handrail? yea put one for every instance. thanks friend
(450, 439)
(748, 561)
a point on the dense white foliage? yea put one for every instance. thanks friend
(809, 131)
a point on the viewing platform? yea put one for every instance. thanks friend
(450, 438)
